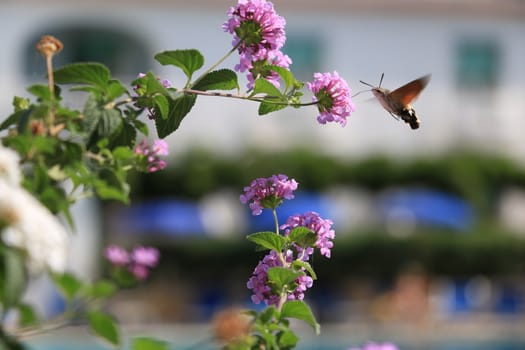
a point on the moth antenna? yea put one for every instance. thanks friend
(362, 82)
(381, 80)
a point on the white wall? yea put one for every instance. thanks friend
(358, 46)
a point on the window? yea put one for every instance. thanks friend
(122, 53)
(477, 64)
(305, 52)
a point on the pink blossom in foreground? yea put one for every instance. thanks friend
(258, 32)
(256, 23)
(332, 94)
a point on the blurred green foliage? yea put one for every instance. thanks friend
(367, 254)
(476, 177)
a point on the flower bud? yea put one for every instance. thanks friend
(49, 45)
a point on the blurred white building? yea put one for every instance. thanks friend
(475, 51)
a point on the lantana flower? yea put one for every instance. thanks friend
(139, 261)
(268, 192)
(149, 154)
(321, 227)
(258, 32)
(332, 94)
(258, 282)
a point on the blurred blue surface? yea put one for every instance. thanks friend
(430, 208)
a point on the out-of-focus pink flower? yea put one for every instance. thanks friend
(150, 154)
(118, 256)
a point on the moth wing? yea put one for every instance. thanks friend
(408, 92)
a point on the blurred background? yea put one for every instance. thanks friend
(430, 224)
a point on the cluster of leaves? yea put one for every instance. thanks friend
(92, 148)
(171, 106)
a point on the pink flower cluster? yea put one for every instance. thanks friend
(139, 261)
(332, 94)
(376, 346)
(321, 227)
(258, 282)
(268, 192)
(259, 34)
(151, 154)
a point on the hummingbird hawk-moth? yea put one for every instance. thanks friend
(397, 102)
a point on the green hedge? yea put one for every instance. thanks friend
(478, 178)
(365, 254)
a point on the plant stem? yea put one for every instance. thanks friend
(50, 77)
(275, 220)
(222, 59)
(266, 99)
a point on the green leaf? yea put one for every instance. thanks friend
(187, 60)
(110, 186)
(150, 85)
(303, 236)
(115, 89)
(281, 277)
(285, 74)
(102, 289)
(140, 126)
(104, 326)
(179, 108)
(287, 339)
(123, 153)
(263, 86)
(40, 91)
(124, 136)
(89, 73)
(298, 309)
(269, 240)
(266, 316)
(14, 276)
(19, 118)
(144, 343)
(268, 107)
(27, 314)
(68, 285)
(163, 105)
(305, 265)
(223, 79)
(110, 122)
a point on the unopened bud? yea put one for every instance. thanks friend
(49, 45)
